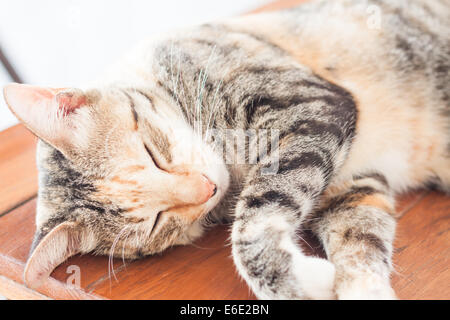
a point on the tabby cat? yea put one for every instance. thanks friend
(347, 101)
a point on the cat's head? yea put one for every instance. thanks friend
(121, 173)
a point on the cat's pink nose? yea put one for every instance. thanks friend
(209, 187)
(191, 188)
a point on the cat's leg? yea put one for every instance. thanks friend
(265, 251)
(268, 213)
(357, 230)
(316, 121)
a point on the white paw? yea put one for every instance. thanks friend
(316, 277)
(369, 288)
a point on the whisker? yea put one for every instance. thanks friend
(301, 238)
(184, 103)
(111, 253)
(201, 86)
(212, 111)
(174, 83)
(124, 244)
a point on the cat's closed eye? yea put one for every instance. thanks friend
(153, 158)
(158, 216)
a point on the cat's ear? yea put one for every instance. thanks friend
(50, 251)
(47, 112)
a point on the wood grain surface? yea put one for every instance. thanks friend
(205, 269)
(18, 173)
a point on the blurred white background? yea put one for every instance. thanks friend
(67, 42)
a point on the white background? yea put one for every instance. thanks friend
(66, 42)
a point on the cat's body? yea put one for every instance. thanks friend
(361, 108)
(397, 74)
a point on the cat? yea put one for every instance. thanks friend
(349, 101)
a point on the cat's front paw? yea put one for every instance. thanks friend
(368, 288)
(317, 278)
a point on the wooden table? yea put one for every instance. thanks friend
(201, 271)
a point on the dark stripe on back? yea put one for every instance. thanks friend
(278, 103)
(288, 73)
(312, 127)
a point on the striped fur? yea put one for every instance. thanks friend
(362, 113)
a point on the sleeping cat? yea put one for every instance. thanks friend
(345, 112)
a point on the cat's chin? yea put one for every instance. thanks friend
(194, 232)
